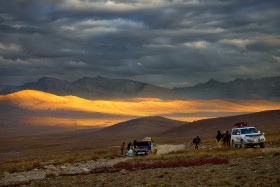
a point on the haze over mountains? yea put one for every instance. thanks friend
(265, 88)
(97, 88)
(105, 88)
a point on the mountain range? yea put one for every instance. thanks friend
(246, 89)
(97, 88)
(105, 88)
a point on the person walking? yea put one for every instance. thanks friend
(218, 139)
(122, 148)
(196, 141)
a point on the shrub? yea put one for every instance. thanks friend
(220, 182)
(276, 153)
(160, 164)
(50, 174)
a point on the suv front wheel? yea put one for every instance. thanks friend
(243, 145)
(233, 144)
(262, 145)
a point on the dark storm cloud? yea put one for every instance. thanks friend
(170, 43)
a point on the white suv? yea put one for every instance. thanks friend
(245, 136)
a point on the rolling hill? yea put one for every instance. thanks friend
(145, 126)
(39, 108)
(264, 121)
(162, 129)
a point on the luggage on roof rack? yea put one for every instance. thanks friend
(241, 124)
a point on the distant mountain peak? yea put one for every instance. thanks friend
(211, 81)
(100, 77)
(264, 88)
(97, 78)
(47, 79)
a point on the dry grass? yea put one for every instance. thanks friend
(216, 152)
(50, 174)
(219, 182)
(272, 137)
(19, 164)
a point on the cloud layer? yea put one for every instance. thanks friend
(165, 42)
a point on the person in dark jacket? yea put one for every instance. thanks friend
(134, 144)
(228, 136)
(219, 138)
(196, 141)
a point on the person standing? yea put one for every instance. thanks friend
(224, 139)
(228, 136)
(218, 139)
(149, 149)
(128, 147)
(134, 144)
(196, 141)
(122, 148)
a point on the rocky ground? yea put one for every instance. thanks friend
(72, 168)
(262, 169)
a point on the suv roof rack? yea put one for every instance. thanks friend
(241, 124)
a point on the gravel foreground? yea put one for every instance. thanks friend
(36, 174)
(260, 170)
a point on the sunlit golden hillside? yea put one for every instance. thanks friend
(108, 112)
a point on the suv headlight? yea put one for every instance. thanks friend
(262, 138)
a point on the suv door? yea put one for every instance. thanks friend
(235, 136)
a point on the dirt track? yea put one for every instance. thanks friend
(166, 148)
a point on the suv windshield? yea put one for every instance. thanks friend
(249, 131)
(142, 144)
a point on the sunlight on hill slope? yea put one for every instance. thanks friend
(37, 100)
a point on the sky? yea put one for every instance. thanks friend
(170, 43)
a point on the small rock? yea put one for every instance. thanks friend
(63, 167)
(234, 164)
(85, 170)
(6, 173)
(52, 167)
(123, 171)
